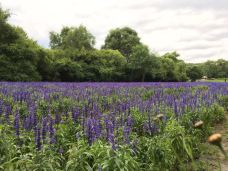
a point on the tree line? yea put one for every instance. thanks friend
(72, 57)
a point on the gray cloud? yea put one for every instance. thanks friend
(185, 4)
(198, 47)
(195, 29)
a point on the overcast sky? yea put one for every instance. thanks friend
(197, 29)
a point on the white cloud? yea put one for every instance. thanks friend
(195, 29)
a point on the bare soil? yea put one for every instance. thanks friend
(212, 156)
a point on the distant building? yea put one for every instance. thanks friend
(204, 77)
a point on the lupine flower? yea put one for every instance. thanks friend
(44, 128)
(99, 168)
(126, 134)
(34, 119)
(1, 110)
(127, 130)
(96, 100)
(58, 117)
(16, 123)
(51, 131)
(90, 132)
(110, 132)
(7, 112)
(75, 115)
(37, 138)
(61, 150)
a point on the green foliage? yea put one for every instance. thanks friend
(141, 62)
(215, 114)
(138, 120)
(100, 155)
(167, 151)
(224, 102)
(68, 70)
(156, 154)
(8, 33)
(170, 68)
(122, 39)
(182, 71)
(194, 73)
(181, 143)
(214, 69)
(106, 64)
(18, 54)
(72, 38)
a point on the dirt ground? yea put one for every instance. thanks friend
(213, 157)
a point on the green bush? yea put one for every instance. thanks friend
(100, 155)
(224, 102)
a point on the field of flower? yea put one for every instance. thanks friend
(107, 126)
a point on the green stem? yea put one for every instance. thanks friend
(223, 151)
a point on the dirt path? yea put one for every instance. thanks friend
(223, 129)
(214, 158)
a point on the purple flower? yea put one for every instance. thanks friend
(127, 130)
(37, 138)
(44, 128)
(90, 131)
(75, 115)
(99, 168)
(8, 110)
(51, 130)
(16, 123)
(110, 132)
(61, 151)
(1, 110)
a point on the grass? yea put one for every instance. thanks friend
(216, 80)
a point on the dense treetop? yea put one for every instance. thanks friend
(122, 39)
(72, 38)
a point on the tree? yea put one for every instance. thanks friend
(110, 64)
(172, 55)
(72, 57)
(194, 73)
(93, 65)
(141, 61)
(18, 54)
(122, 39)
(101, 65)
(45, 65)
(169, 70)
(77, 38)
(8, 34)
(172, 68)
(182, 71)
(222, 68)
(210, 69)
(68, 70)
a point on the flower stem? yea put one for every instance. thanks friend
(223, 151)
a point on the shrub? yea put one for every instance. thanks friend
(224, 101)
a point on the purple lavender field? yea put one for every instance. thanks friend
(106, 126)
